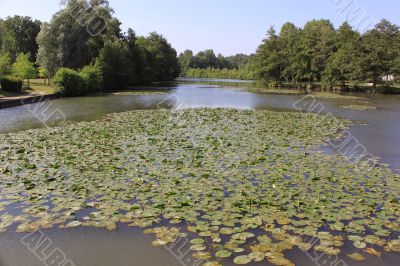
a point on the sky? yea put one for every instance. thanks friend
(227, 26)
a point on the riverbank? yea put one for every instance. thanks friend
(36, 92)
(29, 99)
(296, 88)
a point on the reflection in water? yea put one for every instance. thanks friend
(128, 246)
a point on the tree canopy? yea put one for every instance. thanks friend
(23, 68)
(18, 35)
(319, 53)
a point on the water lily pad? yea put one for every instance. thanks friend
(356, 256)
(73, 224)
(360, 245)
(257, 256)
(197, 241)
(223, 254)
(244, 259)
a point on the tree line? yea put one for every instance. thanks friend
(123, 59)
(321, 56)
(242, 73)
(317, 56)
(208, 60)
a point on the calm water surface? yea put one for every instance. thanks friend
(380, 134)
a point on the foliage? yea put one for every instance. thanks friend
(322, 56)
(161, 57)
(43, 72)
(5, 64)
(208, 60)
(2, 33)
(380, 50)
(69, 82)
(23, 68)
(242, 73)
(93, 78)
(270, 61)
(67, 40)
(344, 64)
(11, 84)
(115, 64)
(123, 59)
(131, 61)
(19, 36)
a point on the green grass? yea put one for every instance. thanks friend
(36, 86)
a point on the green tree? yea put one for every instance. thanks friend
(43, 74)
(344, 65)
(69, 40)
(186, 60)
(48, 56)
(116, 66)
(23, 68)
(19, 36)
(162, 58)
(270, 60)
(239, 60)
(318, 44)
(205, 59)
(5, 64)
(380, 50)
(289, 40)
(2, 33)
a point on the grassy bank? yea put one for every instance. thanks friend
(36, 87)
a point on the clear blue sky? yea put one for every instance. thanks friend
(227, 26)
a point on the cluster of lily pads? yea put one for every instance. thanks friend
(332, 95)
(246, 186)
(144, 92)
(274, 90)
(361, 107)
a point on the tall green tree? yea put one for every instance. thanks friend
(345, 64)
(23, 68)
(161, 57)
(139, 59)
(380, 51)
(5, 64)
(71, 40)
(289, 40)
(116, 65)
(186, 59)
(270, 60)
(2, 33)
(318, 44)
(19, 36)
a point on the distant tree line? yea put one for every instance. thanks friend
(242, 73)
(321, 56)
(208, 60)
(67, 41)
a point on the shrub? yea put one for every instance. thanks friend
(11, 84)
(69, 82)
(93, 78)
